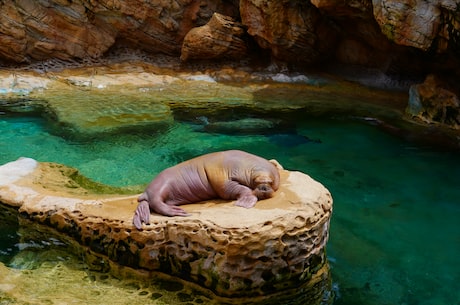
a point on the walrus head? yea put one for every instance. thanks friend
(263, 188)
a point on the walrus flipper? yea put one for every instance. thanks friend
(243, 194)
(142, 214)
(170, 210)
(247, 202)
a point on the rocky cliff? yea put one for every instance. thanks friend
(384, 34)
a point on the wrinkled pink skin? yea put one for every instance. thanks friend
(230, 175)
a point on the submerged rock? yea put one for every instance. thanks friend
(272, 249)
(241, 126)
(94, 113)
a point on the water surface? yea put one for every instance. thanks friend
(394, 236)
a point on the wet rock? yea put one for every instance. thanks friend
(220, 38)
(272, 248)
(92, 114)
(434, 102)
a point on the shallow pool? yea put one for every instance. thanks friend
(394, 236)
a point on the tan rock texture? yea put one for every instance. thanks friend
(419, 23)
(297, 32)
(220, 38)
(38, 30)
(235, 252)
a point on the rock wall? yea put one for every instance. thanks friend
(39, 30)
(424, 25)
(383, 34)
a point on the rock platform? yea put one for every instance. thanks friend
(277, 246)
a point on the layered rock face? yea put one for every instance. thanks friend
(237, 253)
(220, 38)
(420, 24)
(358, 32)
(40, 30)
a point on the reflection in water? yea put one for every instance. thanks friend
(394, 233)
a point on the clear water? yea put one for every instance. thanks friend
(395, 235)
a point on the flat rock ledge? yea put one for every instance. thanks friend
(275, 247)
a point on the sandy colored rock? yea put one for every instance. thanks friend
(418, 23)
(234, 252)
(220, 38)
(40, 30)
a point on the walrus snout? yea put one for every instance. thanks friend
(263, 191)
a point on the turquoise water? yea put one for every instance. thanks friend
(394, 239)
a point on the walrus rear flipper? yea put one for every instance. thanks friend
(142, 214)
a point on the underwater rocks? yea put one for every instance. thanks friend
(94, 102)
(236, 253)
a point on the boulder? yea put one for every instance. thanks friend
(236, 253)
(419, 23)
(220, 38)
(434, 101)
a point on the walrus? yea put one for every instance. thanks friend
(230, 175)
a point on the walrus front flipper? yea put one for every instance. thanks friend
(142, 214)
(243, 194)
(170, 210)
(246, 201)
